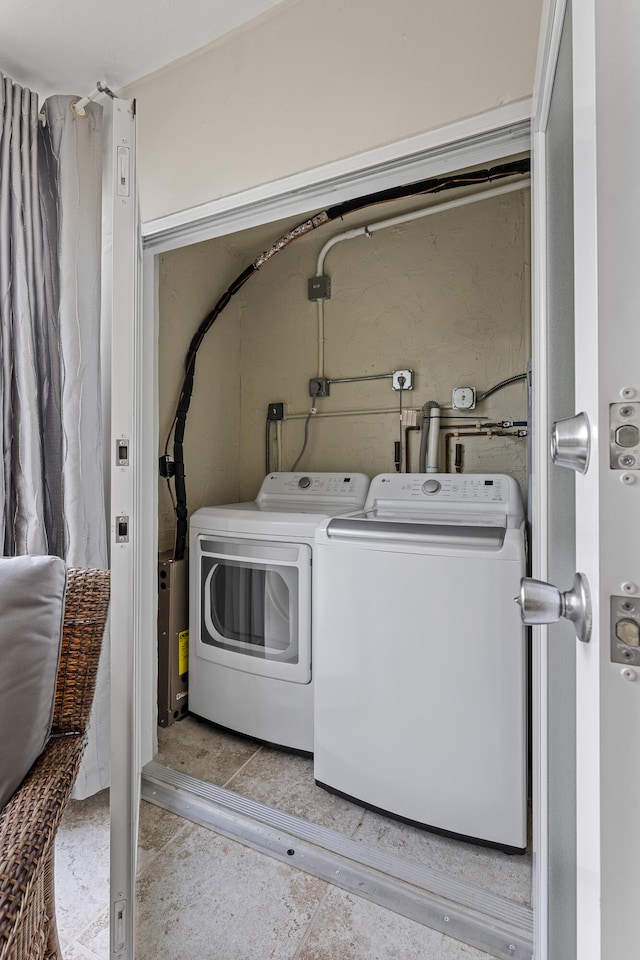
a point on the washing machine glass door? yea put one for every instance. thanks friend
(255, 607)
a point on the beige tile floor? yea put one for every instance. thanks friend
(202, 896)
(285, 781)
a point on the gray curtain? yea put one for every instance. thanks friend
(50, 266)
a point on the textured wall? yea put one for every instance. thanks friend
(308, 83)
(447, 296)
(191, 280)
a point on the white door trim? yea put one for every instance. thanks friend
(548, 51)
(128, 598)
(589, 691)
(539, 547)
(607, 146)
(549, 46)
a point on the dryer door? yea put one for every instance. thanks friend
(255, 606)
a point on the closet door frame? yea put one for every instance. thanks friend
(485, 140)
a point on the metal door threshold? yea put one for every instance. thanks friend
(458, 909)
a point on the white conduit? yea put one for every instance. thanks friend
(372, 412)
(392, 222)
(342, 413)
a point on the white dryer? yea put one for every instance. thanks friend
(250, 604)
(420, 656)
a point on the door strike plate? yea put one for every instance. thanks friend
(624, 436)
(625, 630)
(122, 529)
(122, 452)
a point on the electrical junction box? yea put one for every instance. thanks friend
(464, 398)
(319, 288)
(173, 638)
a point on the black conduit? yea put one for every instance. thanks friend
(499, 386)
(175, 467)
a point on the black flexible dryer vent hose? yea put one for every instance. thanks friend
(175, 468)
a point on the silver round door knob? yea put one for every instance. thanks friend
(542, 602)
(539, 602)
(571, 442)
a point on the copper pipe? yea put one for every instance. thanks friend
(474, 433)
(407, 458)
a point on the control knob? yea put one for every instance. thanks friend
(431, 486)
(304, 482)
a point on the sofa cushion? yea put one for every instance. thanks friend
(32, 591)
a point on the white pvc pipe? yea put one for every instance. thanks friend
(393, 222)
(279, 444)
(343, 413)
(374, 411)
(434, 440)
(321, 338)
(417, 215)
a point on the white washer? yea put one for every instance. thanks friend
(420, 655)
(250, 604)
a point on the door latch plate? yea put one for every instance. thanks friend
(122, 452)
(122, 529)
(624, 436)
(625, 630)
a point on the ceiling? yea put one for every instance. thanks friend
(66, 46)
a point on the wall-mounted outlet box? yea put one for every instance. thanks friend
(402, 380)
(464, 398)
(275, 411)
(319, 288)
(319, 387)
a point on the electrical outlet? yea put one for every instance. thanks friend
(319, 387)
(464, 398)
(402, 380)
(275, 411)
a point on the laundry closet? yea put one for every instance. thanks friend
(444, 298)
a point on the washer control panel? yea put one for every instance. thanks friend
(494, 497)
(452, 487)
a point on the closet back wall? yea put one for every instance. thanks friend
(447, 296)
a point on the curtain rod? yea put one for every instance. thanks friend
(79, 107)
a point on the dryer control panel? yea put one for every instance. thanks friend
(341, 488)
